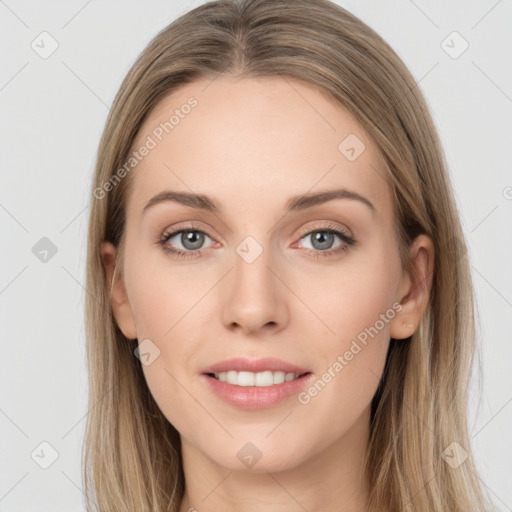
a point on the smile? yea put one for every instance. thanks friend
(260, 379)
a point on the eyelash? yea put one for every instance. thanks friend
(345, 238)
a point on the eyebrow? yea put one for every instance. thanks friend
(296, 203)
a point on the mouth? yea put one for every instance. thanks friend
(260, 379)
(256, 384)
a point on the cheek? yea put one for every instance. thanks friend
(175, 396)
(162, 294)
(357, 307)
(352, 296)
(165, 305)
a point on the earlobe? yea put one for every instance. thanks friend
(120, 304)
(415, 289)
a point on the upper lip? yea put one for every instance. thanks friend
(241, 364)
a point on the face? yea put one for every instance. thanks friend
(269, 272)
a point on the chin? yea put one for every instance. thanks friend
(258, 455)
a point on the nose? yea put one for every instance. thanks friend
(255, 296)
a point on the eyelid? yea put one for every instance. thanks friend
(325, 226)
(186, 226)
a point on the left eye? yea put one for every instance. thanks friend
(322, 239)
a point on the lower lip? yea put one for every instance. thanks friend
(256, 397)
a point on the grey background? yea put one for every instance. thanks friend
(52, 112)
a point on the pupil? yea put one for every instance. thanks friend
(324, 238)
(188, 238)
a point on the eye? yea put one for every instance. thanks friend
(190, 238)
(323, 238)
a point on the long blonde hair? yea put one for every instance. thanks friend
(132, 454)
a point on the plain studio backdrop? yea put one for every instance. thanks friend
(54, 99)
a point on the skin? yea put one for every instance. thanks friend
(251, 144)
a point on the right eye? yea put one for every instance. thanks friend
(190, 238)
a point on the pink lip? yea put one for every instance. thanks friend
(255, 397)
(241, 364)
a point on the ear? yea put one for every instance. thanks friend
(415, 289)
(118, 297)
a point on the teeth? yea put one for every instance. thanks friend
(261, 379)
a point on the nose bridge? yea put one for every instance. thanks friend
(251, 264)
(255, 295)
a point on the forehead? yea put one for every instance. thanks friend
(259, 140)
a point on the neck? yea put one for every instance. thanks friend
(329, 480)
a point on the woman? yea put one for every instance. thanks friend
(280, 311)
